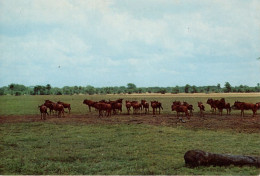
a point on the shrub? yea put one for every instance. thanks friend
(18, 93)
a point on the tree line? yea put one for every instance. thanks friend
(18, 89)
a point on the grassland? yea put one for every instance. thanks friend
(28, 105)
(67, 146)
(46, 148)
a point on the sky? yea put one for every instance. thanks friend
(116, 42)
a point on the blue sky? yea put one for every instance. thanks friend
(115, 42)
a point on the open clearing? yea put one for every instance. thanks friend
(83, 143)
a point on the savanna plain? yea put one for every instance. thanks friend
(84, 143)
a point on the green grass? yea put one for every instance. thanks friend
(47, 148)
(62, 148)
(27, 104)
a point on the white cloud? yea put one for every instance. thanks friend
(98, 37)
(48, 11)
(123, 28)
(134, 62)
(171, 72)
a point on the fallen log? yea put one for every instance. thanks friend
(196, 158)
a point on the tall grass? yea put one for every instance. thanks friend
(47, 148)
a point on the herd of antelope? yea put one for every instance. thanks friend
(109, 107)
(57, 107)
(116, 105)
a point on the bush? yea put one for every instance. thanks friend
(2, 92)
(59, 93)
(162, 91)
(18, 93)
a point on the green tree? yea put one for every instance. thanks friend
(76, 90)
(175, 90)
(241, 89)
(218, 87)
(39, 90)
(258, 87)
(122, 89)
(80, 90)
(119, 91)
(228, 87)
(107, 90)
(186, 88)
(56, 91)
(207, 89)
(66, 90)
(36, 89)
(194, 89)
(131, 86)
(90, 90)
(2, 91)
(59, 92)
(42, 90)
(48, 87)
(140, 90)
(18, 93)
(162, 91)
(11, 87)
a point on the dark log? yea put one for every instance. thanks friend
(196, 158)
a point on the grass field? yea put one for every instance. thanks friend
(27, 104)
(46, 148)
(68, 146)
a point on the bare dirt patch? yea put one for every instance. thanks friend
(234, 123)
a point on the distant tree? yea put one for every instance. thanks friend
(48, 87)
(18, 93)
(240, 89)
(162, 91)
(67, 90)
(107, 90)
(97, 91)
(249, 89)
(228, 87)
(80, 89)
(258, 87)
(42, 90)
(119, 91)
(122, 89)
(218, 88)
(131, 86)
(11, 87)
(2, 91)
(207, 89)
(36, 89)
(39, 90)
(129, 91)
(59, 93)
(76, 90)
(194, 89)
(175, 90)
(186, 88)
(90, 90)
